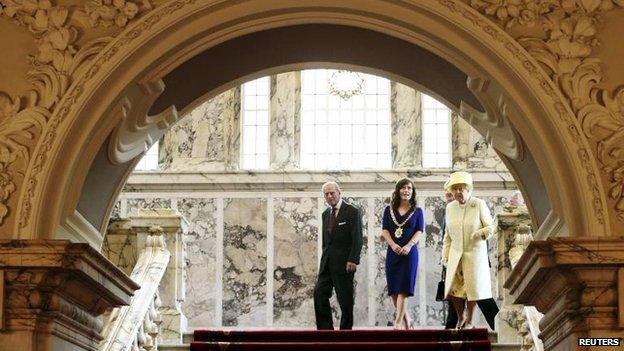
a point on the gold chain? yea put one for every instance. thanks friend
(399, 231)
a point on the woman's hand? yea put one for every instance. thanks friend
(405, 250)
(396, 248)
(477, 236)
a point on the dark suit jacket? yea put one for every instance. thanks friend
(344, 243)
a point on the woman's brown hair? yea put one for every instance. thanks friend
(396, 196)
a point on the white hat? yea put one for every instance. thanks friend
(459, 178)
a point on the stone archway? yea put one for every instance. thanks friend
(134, 72)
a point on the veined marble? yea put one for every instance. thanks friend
(201, 241)
(285, 128)
(384, 314)
(116, 211)
(406, 126)
(434, 211)
(244, 262)
(460, 141)
(146, 203)
(295, 261)
(361, 286)
(205, 138)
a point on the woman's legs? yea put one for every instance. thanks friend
(458, 304)
(400, 318)
(470, 312)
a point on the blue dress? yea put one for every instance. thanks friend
(401, 269)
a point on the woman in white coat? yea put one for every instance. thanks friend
(464, 252)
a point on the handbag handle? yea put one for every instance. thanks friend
(443, 277)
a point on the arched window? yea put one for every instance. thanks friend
(255, 124)
(149, 162)
(436, 133)
(345, 120)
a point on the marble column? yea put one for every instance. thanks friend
(173, 285)
(206, 138)
(285, 124)
(460, 137)
(508, 320)
(52, 292)
(406, 126)
(578, 284)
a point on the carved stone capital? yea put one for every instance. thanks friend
(54, 291)
(577, 283)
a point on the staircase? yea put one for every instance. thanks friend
(306, 339)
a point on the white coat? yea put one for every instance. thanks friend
(468, 227)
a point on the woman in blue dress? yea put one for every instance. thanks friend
(402, 227)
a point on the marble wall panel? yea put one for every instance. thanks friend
(201, 248)
(244, 262)
(135, 203)
(434, 212)
(384, 315)
(361, 286)
(496, 204)
(295, 261)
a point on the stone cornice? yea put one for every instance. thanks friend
(80, 259)
(304, 180)
(58, 287)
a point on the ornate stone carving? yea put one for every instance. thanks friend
(137, 130)
(570, 29)
(111, 12)
(55, 65)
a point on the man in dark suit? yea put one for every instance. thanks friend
(342, 244)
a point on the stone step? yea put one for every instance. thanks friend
(504, 347)
(181, 347)
(187, 347)
(187, 338)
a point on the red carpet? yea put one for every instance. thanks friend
(326, 340)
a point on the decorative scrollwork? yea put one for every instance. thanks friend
(570, 29)
(57, 62)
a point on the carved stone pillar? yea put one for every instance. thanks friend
(578, 283)
(52, 292)
(173, 285)
(507, 223)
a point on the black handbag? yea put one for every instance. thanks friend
(440, 291)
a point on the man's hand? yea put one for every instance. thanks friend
(351, 267)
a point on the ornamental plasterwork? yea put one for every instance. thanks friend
(569, 29)
(56, 63)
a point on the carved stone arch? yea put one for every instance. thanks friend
(179, 31)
